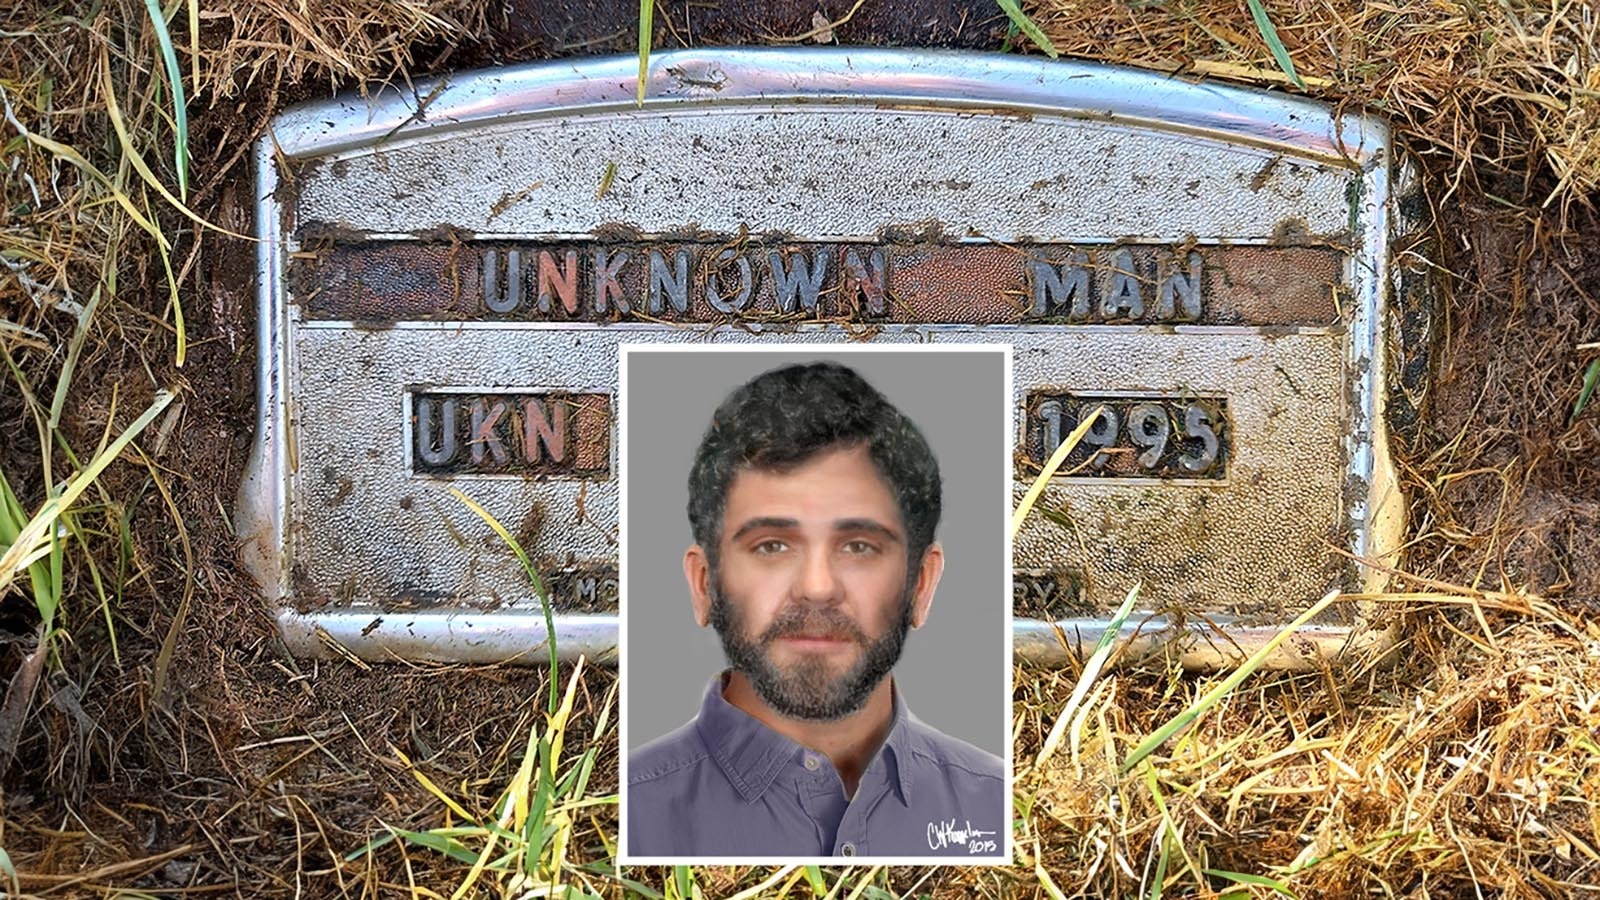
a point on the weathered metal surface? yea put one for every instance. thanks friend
(443, 292)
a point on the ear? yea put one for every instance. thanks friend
(697, 571)
(927, 580)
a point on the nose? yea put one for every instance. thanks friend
(817, 582)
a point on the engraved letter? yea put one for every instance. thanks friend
(550, 433)
(1050, 412)
(1053, 288)
(587, 588)
(799, 279)
(1123, 301)
(1102, 434)
(502, 298)
(746, 284)
(1197, 424)
(565, 284)
(1178, 299)
(673, 283)
(1148, 428)
(1044, 588)
(447, 432)
(859, 282)
(485, 436)
(606, 286)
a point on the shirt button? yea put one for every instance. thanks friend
(812, 763)
(848, 849)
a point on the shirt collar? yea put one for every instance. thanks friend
(752, 755)
(901, 744)
(749, 753)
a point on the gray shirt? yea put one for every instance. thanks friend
(726, 785)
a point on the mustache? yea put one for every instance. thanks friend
(812, 621)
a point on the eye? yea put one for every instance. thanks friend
(860, 547)
(769, 547)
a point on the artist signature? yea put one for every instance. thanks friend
(942, 834)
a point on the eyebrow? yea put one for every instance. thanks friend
(857, 525)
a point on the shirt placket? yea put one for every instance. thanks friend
(851, 837)
(821, 797)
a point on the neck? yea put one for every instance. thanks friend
(848, 742)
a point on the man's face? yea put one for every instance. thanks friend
(811, 595)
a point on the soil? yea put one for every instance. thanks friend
(255, 771)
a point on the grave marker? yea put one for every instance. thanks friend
(442, 292)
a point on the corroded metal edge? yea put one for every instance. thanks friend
(1198, 648)
(448, 636)
(901, 78)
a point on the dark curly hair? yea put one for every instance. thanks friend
(781, 418)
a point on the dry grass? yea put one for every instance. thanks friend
(1482, 91)
(1471, 765)
(195, 757)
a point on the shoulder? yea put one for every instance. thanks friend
(953, 755)
(663, 776)
(675, 752)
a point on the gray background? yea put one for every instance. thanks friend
(952, 674)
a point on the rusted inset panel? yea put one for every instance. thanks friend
(455, 433)
(1172, 437)
(749, 280)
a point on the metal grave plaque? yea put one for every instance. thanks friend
(446, 273)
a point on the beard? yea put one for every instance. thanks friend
(810, 689)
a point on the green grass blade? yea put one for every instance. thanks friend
(174, 299)
(1025, 25)
(814, 878)
(448, 846)
(52, 576)
(538, 587)
(683, 881)
(1170, 839)
(370, 846)
(1162, 855)
(1274, 43)
(608, 869)
(80, 333)
(585, 769)
(1091, 672)
(180, 111)
(1245, 670)
(647, 10)
(12, 515)
(35, 533)
(1256, 880)
(99, 585)
(1590, 379)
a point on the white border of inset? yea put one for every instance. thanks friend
(1003, 500)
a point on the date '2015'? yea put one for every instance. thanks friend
(1132, 437)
